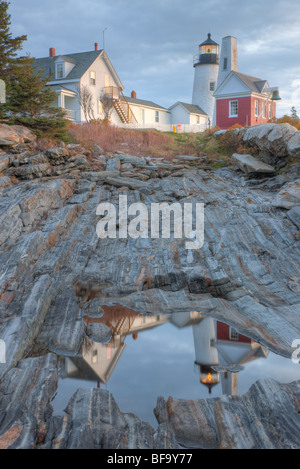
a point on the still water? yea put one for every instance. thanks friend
(184, 355)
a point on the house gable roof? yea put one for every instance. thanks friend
(246, 83)
(190, 108)
(82, 62)
(143, 102)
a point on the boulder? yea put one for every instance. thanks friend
(289, 196)
(250, 165)
(15, 134)
(273, 138)
(113, 164)
(293, 145)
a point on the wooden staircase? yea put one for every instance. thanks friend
(124, 110)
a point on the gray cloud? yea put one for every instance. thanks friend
(151, 44)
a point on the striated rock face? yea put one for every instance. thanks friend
(266, 417)
(55, 271)
(94, 421)
(288, 196)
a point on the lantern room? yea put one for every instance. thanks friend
(208, 52)
(209, 377)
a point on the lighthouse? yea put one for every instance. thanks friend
(206, 354)
(206, 64)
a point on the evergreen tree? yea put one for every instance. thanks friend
(294, 113)
(29, 101)
(8, 45)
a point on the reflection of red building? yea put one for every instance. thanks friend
(221, 352)
(226, 332)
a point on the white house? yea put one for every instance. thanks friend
(94, 71)
(68, 73)
(148, 113)
(188, 116)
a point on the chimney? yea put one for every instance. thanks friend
(133, 94)
(51, 52)
(228, 58)
(96, 45)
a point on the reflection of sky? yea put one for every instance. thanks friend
(161, 363)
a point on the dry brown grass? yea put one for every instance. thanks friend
(115, 139)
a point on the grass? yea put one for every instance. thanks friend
(151, 142)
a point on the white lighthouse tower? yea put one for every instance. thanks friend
(206, 64)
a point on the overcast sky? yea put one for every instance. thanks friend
(152, 43)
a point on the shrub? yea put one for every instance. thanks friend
(287, 119)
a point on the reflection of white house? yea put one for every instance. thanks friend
(220, 351)
(94, 70)
(98, 360)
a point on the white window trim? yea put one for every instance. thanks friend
(256, 108)
(92, 84)
(233, 334)
(232, 101)
(156, 116)
(60, 64)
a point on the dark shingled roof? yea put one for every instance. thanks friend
(143, 102)
(255, 84)
(193, 108)
(82, 61)
(209, 42)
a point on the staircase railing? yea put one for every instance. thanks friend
(125, 113)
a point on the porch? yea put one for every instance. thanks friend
(67, 100)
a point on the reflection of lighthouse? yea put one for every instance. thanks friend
(221, 352)
(206, 354)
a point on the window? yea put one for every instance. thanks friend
(142, 115)
(59, 70)
(212, 85)
(233, 334)
(270, 111)
(156, 116)
(93, 78)
(264, 110)
(256, 109)
(225, 64)
(95, 356)
(233, 108)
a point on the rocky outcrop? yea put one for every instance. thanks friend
(289, 196)
(55, 270)
(11, 135)
(273, 138)
(281, 140)
(266, 417)
(250, 165)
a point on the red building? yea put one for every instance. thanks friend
(245, 100)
